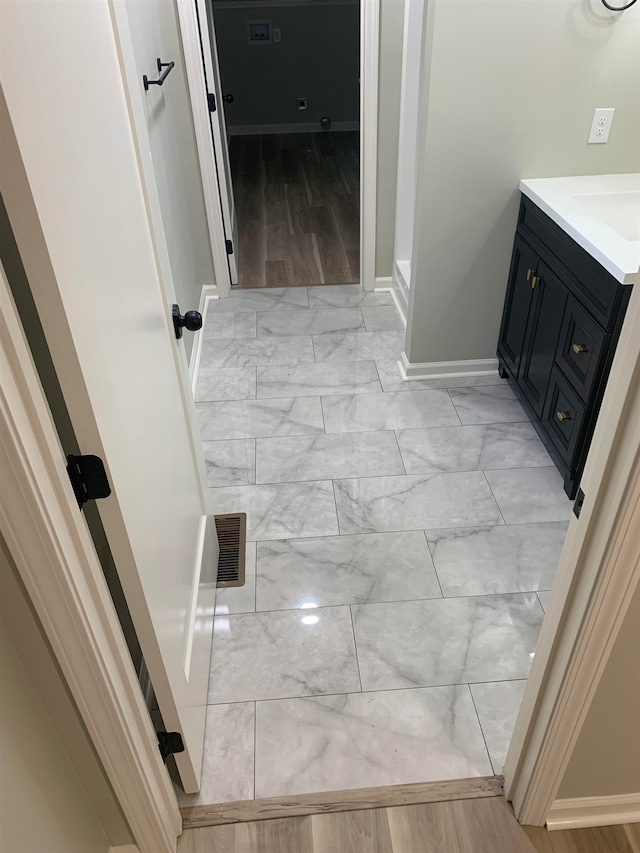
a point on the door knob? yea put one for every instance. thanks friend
(191, 320)
(228, 99)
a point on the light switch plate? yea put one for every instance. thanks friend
(601, 125)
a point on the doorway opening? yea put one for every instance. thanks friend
(291, 121)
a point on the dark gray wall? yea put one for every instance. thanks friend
(318, 58)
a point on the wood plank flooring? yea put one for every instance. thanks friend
(462, 826)
(297, 206)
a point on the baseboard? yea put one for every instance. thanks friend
(447, 369)
(209, 292)
(584, 812)
(298, 127)
(341, 801)
(125, 848)
(388, 283)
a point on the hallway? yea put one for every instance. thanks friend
(298, 208)
(403, 539)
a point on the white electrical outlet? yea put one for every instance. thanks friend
(601, 126)
(276, 34)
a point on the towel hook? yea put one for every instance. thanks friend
(163, 74)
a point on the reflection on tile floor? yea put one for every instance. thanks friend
(403, 539)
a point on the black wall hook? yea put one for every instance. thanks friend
(163, 74)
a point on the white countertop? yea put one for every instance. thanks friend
(600, 212)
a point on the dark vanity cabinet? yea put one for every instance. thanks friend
(561, 321)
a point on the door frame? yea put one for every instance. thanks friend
(192, 49)
(369, 73)
(58, 565)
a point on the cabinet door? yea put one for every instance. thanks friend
(517, 303)
(543, 329)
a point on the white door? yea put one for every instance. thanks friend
(73, 184)
(219, 128)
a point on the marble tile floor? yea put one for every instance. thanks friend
(403, 537)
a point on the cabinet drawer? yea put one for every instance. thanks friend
(563, 417)
(581, 347)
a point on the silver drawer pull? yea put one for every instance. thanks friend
(563, 416)
(578, 348)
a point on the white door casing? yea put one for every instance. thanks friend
(82, 215)
(219, 129)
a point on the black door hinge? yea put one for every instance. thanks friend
(88, 478)
(169, 743)
(229, 246)
(577, 506)
(211, 100)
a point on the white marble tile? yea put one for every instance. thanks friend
(261, 299)
(382, 319)
(497, 705)
(544, 596)
(413, 502)
(530, 494)
(230, 463)
(255, 418)
(307, 379)
(281, 654)
(240, 599)
(392, 380)
(345, 296)
(226, 325)
(368, 739)
(294, 573)
(354, 346)
(248, 352)
(323, 457)
(280, 511)
(506, 558)
(471, 448)
(232, 383)
(318, 321)
(490, 404)
(366, 412)
(446, 641)
(228, 760)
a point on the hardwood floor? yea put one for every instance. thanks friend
(297, 206)
(462, 826)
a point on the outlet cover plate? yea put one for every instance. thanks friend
(601, 125)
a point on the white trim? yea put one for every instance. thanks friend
(125, 848)
(55, 557)
(187, 14)
(291, 127)
(583, 812)
(598, 574)
(268, 4)
(386, 284)
(401, 287)
(369, 70)
(447, 369)
(207, 293)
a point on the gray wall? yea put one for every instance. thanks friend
(390, 79)
(511, 93)
(606, 758)
(55, 796)
(318, 58)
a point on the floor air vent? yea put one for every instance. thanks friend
(232, 539)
